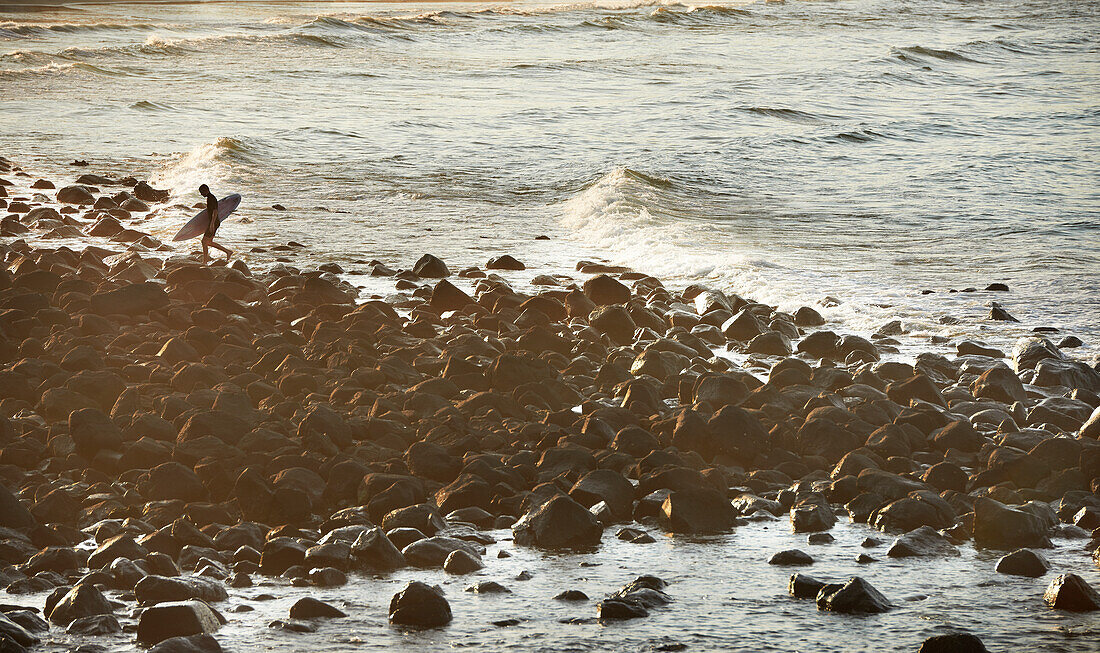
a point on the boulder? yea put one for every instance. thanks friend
(420, 605)
(462, 562)
(95, 625)
(604, 290)
(153, 590)
(608, 486)
(857, 596)
(76, 194)
(447, 297)
(176, 619)
(923, 542)
(812, 514)
(504, 262)
(192, 644)
(15, 632)
(790, 557)
(13, 514)
(84, 600)
(802, 586)
(132, 299)
(559, 522)
(1071, 592)
(171, 480)
(373, 550)
(311, 608)
(999, 383)
(996, 526)
(1023, 562)
(92, 430)
(697, 510)
(430, 267)
(953, 643)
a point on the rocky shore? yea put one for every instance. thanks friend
(172, 433)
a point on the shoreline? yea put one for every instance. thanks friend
(263, 423)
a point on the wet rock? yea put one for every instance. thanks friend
(608, 486)
(998, 313)
(488, 587)
(996, 526)
(430, 267)
(76, 194)
(998, 383)
(130, 300)
(327, 577)
(192, 644)
(812, 513)
(84, 600)
(176, 619)
(375, 551)
(447, 297)
(1071, 592)
(93, 431)
(152, 590)
(559, 522)
(13, 514)
(613, 609)
(604, 290)
(14, 632)
(280, 554)
(100, 624)
(310, 608)
(420, 605)
(1023, 562)
(923, 542)
(697, 510)
(613, 321)
(571, 595)
(462, 562)
(857, 596)
(790, 557)
(1029, 352)
(953, 642)
(802, 586)
(504, 262)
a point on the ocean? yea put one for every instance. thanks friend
(878, 160)
(850, 156)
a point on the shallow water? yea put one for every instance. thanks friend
(725, 597)
(864, 150)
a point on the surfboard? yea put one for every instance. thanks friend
(196, 226)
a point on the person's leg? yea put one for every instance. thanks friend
(228, 252)
(206, 250)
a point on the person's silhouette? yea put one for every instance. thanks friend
(213, 222)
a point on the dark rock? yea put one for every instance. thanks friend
(697, 510)
(604, 290)
(420, 605)
(612, 609)
(812, 513)
(857, 596)
(176, 619)
(571, 595)
(802, 586)
(954, 642)
(996, 526)
(1071, 592)
(376, 552)
(153, 590)
(13, 514)
(998, 313)
(790, 557)
(310, 608)
(447, 297)
(192, 644)
(1023, 562)
(557, 523)
(84, 600)
(922, 542)
(430, 267)
(131, 300)
(504, 262)
(100, 624)
(14, 632)
(462, 562)
(92, 431)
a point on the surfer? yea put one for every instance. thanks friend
(212, 224)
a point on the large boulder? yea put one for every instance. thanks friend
(996, 526)
(999, 384)
(608, 486)
(310, 608)
(84, 600)
(176, 619)
(697, 510)
(430, 267)
(374, 551)
(92, 430)
(420, 605)
(13, 514)
(604, 290)
(77, 194)
(1023, 562)
(191, 644)
(15, 632)
(1071, 592)
(153, 590)
(171, 480)
(557, 523)
(857, 596)
(811, 514)
(923, 542)
(953, 643)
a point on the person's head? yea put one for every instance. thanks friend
(204, 190)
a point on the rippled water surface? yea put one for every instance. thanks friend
(865, 150)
